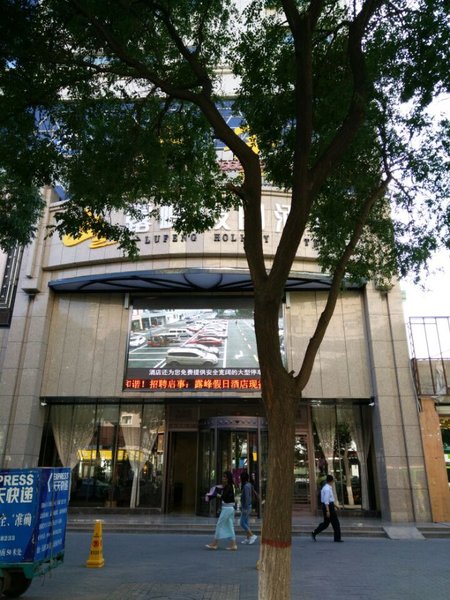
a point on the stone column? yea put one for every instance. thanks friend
(400, 462)
(21, 414)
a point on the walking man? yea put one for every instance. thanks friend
(329, 512)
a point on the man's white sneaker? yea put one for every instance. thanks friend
(252, 540)
(245, 541)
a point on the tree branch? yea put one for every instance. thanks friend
(357, 108)
(302, 26)
(139, 67)
(314, 343)
(251, 188)
(189, 57)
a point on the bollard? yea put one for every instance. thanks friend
(96, 559)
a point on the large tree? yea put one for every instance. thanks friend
(120, 100)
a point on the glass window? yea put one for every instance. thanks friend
(116, 452)
(342, 438)
(445, 431)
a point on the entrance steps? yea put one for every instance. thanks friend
(142, 522)
(435, 530)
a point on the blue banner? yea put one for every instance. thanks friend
(33, 513)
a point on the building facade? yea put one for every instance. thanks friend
(143, 377)
(430, 352)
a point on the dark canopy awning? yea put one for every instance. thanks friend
(189, 280)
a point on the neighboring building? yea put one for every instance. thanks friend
(143, 375)
(430, 350)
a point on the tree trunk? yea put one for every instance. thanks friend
(276, 539)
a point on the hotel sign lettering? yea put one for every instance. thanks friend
(229, 228)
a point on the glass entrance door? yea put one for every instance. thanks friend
(302, 494)
(231, 444)
(238, 452)
(180, 494)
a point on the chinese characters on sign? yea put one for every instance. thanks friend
(157, 230)
(33, 509)
(193, 384)
(16, 488)
(164, 221)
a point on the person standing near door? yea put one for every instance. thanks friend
(247, 492)
(329, 512)
(225, 524)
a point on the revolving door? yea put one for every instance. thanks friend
(233, 444)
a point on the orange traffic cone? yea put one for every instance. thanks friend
(96, 554)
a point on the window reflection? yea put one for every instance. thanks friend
(116, 453)
(342, 442)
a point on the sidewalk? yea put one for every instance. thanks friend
(179, 567)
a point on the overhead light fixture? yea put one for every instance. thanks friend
(43, 403)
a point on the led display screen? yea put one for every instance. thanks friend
(192, 344)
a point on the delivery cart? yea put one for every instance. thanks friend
(33, 518)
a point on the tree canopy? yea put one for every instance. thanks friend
(122, 102)
(119, 102)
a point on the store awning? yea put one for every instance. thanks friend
(189, 280)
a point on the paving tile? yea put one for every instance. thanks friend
(175, 591)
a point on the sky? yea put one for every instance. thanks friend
(430, 298)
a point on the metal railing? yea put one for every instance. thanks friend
(429, 339)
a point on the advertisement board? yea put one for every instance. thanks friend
(193, 345)
(33, 514)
